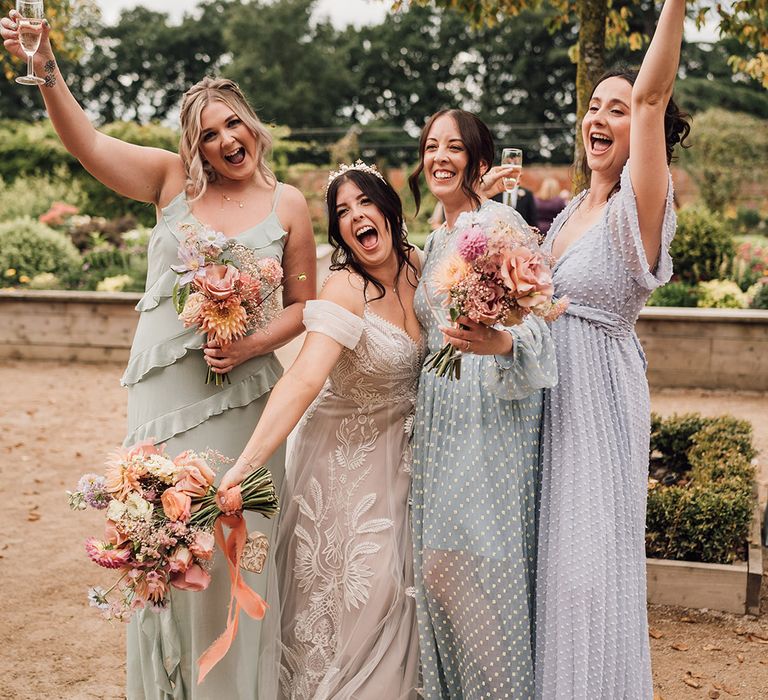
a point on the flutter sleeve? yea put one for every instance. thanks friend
(338, 323)
(624, 228)
(529, 368)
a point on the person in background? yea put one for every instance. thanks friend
(549, 203)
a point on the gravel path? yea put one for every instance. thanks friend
(58, 421)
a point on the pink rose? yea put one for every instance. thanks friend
(528, 277)
(218, 281)
(176, 505)
(190, 461)
(488, 303)
(202, 545)
(180, 560)
(195, 578)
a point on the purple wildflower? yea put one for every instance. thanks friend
(192, 261)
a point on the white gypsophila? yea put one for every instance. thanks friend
(115, 510)
(162, 468)
(137, 508)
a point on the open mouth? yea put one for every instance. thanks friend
(368, 237)
(600, 143)
(236, 157)
(443, 175)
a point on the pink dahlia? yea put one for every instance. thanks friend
(106, 555)
(472, 243)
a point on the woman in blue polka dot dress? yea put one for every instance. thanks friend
(612, 246)
(476, 446)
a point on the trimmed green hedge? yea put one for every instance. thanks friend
(706, 515)
(28, 248)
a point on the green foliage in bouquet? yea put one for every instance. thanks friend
(29, 248)
(674, 294)
(701, 244)
(706, 515)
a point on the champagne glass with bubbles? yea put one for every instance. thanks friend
(30, 33)
(512, 157)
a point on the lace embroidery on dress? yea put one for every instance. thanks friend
(334, 563)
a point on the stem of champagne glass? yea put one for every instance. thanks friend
(30, 66)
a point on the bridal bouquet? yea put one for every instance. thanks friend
(223, 288)
(161, 524)
(495, 275)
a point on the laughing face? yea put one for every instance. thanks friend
(226, 142)
(445, 159)
(363, 227)
(605, 128)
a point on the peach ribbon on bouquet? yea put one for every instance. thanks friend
(242, 596)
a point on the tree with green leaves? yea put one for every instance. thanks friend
(293, 70)
(139, 68)
(603, 23)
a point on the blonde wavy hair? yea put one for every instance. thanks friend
(200, 173)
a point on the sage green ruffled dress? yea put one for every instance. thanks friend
(169, 402)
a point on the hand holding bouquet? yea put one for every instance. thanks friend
(495, 275)
(159, 530)
(223, 288)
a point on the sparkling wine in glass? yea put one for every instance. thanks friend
(513, 157)
(30, 33)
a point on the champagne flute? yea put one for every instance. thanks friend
(512, 157)
(30, 33)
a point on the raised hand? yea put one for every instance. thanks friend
(9, 31)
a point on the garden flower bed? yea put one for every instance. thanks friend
(703, 521)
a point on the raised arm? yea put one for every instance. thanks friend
(297, 388)
(133, 171)
(647, 145)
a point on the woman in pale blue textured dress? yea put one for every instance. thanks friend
(476, 444)
(218, 179)
(611, 245)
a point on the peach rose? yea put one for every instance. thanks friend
(218, 281)
(528, 276)
(176, 505)
(190, 313)
(195, 578)
(202, 545)
(180, 560)
(113, 535)
(190, 461)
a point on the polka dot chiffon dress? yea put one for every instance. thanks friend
(591, 625)
(476, 445)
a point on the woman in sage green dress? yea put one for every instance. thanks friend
(219, 180)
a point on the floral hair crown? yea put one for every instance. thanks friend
(357, 165)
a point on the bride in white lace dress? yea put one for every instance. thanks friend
(344, 619)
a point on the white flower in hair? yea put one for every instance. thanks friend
(357, 165)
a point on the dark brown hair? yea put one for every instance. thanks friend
(477, 140)
(383, 195)
(677, 125)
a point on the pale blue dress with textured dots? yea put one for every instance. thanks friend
(475, 469)
(591, 622)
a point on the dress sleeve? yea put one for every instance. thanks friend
(322, 316)
(624, 226)
(530, 367)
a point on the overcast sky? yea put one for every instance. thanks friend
(341, 12)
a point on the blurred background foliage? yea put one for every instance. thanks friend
(334, 94)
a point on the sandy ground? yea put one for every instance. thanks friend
(58, 422)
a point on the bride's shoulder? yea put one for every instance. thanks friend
(345, 288)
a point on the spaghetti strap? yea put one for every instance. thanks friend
(278, 192)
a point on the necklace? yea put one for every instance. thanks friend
(240, 202)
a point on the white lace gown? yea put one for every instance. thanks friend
(344, 558)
